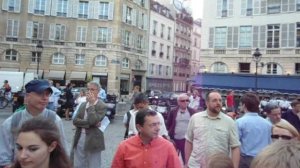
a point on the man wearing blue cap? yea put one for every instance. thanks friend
(36, 100)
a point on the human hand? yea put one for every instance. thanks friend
(98, 124)
(91, 98)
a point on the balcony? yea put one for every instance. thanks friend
(101, 46)
(80, 44)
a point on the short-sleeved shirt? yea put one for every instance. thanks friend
(210, 135)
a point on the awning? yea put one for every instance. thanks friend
(125, 76)
(34, 72)
(10, 69)
(59, 75)
(77, 75)
(99, 73)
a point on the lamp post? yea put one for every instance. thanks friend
(38, 54)
(256, 57)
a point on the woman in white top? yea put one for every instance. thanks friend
(80, 99)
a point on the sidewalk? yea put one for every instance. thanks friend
(122, 108)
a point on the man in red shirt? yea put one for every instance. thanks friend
(147, 149)
(230, 101)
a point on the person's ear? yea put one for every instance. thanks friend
(138, 127)
(52, 146)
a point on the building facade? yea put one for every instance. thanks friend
(182, 51)
(161, 44)
(196, 47)
(232, 30)
(102, 40)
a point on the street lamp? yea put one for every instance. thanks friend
(256, 57)
(38, 54)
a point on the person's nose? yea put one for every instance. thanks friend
(23, 154)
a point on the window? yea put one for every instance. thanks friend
(298, 5)
(101, 60)
(162, 30)
(83, 9)
(298, 34)
(161, 53)
(139, 41)
(12, 5)
(128, 15)
(167, 70)
(224, 8)
(159, 69)
(274, 6)
(168, 52)
(273, 36)
(245, 37)
(34, 30)
(79, 59)
(138, 64)
(103, 13)
(219, 67)
(271, 68)
(142, 21)
(58, 58)
(152, 69)
(169, 33)
(81, 34)
(153, 52)
(57, 32)
(62, 7)
(297, 68)
(11, 55)
(244, 67)
(220, 37)
(102, 34)
(36, 57)
(247, 8)
(12, 28)
(127, 37)
(154, 27)
(125, 63)
(40, 6)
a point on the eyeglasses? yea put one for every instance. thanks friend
(285, 137)
(184, 100)
(91, 89)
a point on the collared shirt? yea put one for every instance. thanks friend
(210, 135)
(292, 118)
(182, 122)
(255, 133)
(6, 146)
(102, 94)
(132, 153)
(132, 127)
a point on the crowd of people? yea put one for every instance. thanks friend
(191, 137)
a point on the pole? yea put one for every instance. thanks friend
(256, 65)
(38, 64)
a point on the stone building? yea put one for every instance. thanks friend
(102, 40)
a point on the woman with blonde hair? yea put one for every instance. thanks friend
(284, 130)
(280, 154)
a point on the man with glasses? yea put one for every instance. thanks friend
(177, 122)
(89, 139)
(36, 100)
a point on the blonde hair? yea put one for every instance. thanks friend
(219, 160)
(287, 126)
(280, 154)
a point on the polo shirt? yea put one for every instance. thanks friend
(210, 135)
(159, 153)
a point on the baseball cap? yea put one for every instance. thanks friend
(38, 86)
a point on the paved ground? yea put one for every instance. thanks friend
(113, 134)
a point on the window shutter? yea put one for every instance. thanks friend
(9, 28)
(229, 37)
(256, 7)
(29, 29)
(263, 5)
(109, 35)
(123, 36)
(91, 9)
(219, 8)
(18, 6)
(47, 7)
(75, 9)
(54, 7)
(84, 34)
(230, 7)
(134, 17)
(235, 37)
(63, 32)
(30, 6)
(4, 5)
(52, 32)
(124, 13)
(292, 5)
(111, 11)
(262, 43)
(143, 42)
(78, 33)
(96, 10)
(145, 22)
(95, 34)
(284, 35)
(244, 7)
(211, 38)
(69, 8)
(255, 36)
(41, 31)
(292, 34)
(284, 5)
(131, 40)
(16, 28)
(147, 2)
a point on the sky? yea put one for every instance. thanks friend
(197, 8)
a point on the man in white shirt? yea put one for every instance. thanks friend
(141, 102)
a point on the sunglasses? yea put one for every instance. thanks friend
(285, 137)
(184, 100)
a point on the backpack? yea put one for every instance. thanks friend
(127, 124)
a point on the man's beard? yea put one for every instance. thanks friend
(215, 110)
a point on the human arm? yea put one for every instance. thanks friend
(61, 129)
(173, 159)
(6, 146)
(118, 160)
(188, 146)
(235, 155)
(163, 130)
